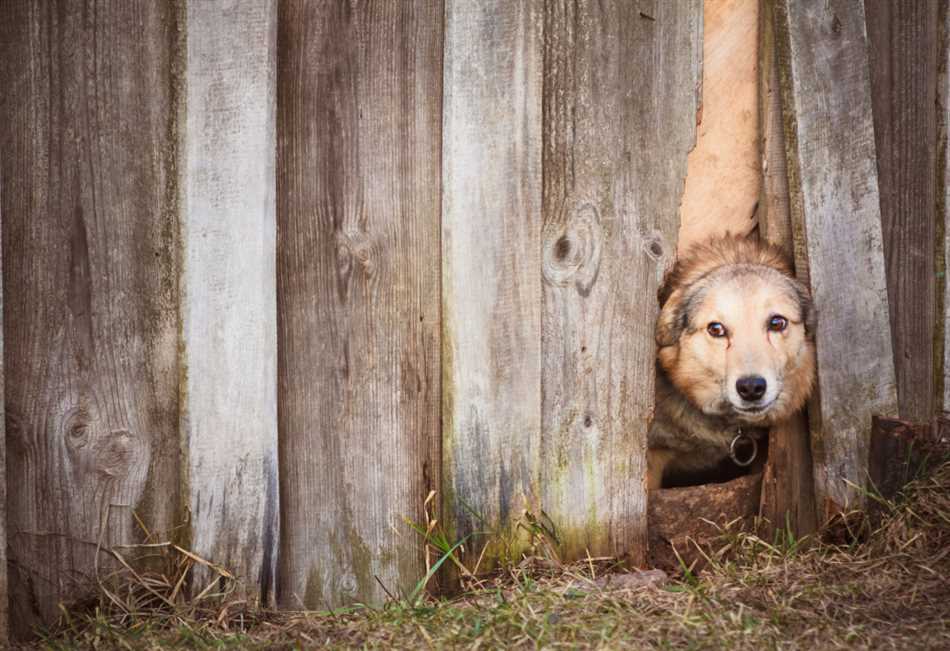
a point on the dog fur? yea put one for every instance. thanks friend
(741, 285)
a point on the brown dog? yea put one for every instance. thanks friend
(735, 340)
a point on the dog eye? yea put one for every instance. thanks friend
(778, 323)
(716, 329)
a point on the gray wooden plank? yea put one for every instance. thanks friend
(359, 95)
(788, 493)
(491, 289)
(228, 290)
(614, 171)
(837, 226)
(89, 249)
(902, 51)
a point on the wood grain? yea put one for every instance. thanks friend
(4, 584)
(358, 123)
(942, 252)
(491, 285)
(89, 242)
(836, 219)
(614, 169)
(902, 51)
(228, 291)
(723, 179)
(788, 495)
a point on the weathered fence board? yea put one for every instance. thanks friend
(614, 169)
(902, 49)
(836, 214)
(943, 212)
(89, 230)
(491, 285)
(723, 177)
(228, 289)
(359, 89)
(788, 494)
(4, 585)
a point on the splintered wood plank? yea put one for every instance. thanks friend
(722, 185)
(89, 230)
(228, 285)
(491, 285)
(619, 120)
(788, 493)
(836, 216)
(903, 62)
(358, 123)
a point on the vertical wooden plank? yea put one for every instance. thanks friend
(491, 242)
(788, 494)
(836, 219)
(723, 175)
(942, 253)
(4, 584)
(902, 49)
(359, 90)
(619, 121)
(228, 286)
(89, 239)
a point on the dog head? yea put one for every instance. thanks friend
(735, 333)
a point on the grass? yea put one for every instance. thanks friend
(888, 590)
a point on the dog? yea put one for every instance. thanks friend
(735, 354)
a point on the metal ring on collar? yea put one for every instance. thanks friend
(732, 449)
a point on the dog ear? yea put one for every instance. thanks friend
(671, 321)
(807, 308)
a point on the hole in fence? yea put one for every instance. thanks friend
(725, 471)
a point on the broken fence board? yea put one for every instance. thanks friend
(788, 492)
(614, 169)
(491, 285)
(228, 291)
(359, 93)
(89, 249)
(902, 51)
(836, 214)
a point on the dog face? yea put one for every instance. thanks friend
(736, 339)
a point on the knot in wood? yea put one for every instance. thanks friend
(115, 453)
(77, 425)
(572, 250)
(355, 250)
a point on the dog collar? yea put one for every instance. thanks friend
(742, 439)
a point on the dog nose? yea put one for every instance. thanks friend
(751, 387)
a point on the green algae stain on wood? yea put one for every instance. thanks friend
(491, 219)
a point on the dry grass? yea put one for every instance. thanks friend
(888, 591)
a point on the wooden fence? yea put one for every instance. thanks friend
(274, 271)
